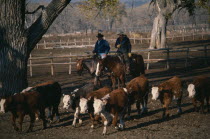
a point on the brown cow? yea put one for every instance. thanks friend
(86, 104)
(199, 90)
(22, 104)
(166, 91)
(138, 89)
(34, 101)
(111, 106)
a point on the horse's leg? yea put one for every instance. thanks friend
(122, 79)
(113, 82)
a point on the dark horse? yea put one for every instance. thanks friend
(89, 64)
(115, 67)
(137, 65)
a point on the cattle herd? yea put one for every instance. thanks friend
(102, 103)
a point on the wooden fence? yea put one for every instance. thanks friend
(147, 60)
(90, 43)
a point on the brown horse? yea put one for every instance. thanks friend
(89, 64)
(116, 68)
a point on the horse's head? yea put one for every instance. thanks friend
(79, 66)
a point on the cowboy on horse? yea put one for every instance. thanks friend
(101, 47)
(123, 46)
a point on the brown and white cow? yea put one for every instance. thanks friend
(111, 106)
(166, 91)
(138, 89)
(199, 90)
(86, 104)
(73, 99)
(31, 103)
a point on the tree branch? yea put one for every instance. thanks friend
(40, 7)
(44, 21)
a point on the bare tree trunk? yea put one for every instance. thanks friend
(16, 42)
(158, 35)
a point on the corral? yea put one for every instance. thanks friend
(188, 125)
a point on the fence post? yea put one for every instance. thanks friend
(30, 63)
(205, 51)
(45, 45)
(141, 39)
(51, 60)
(75, 42)
(202, 35)
(67, 42)
(167, 62)
(148, 60)
(89, 41)
(183, 36)
(134, 40)
(187, 56)
(60, 43)
(70, 64)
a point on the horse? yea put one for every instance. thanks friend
(136, 65)
(115, 67)
(89, 64)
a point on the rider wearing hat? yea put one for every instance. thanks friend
(101, 47)
(123, 46)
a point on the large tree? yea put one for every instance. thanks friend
(165, 9)
(17, 41)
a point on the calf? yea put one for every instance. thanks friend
(23, 104)
(166, 91)
(73, 100)
(199, 90)
(86, 104)
(111, 106)
(138, 89)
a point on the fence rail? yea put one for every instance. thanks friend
(90, 43)
(147, 60)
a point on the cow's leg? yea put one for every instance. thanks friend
(92, 119)
(76, 115)
(179, 105)
(129, 111)
(42, 116)
(14, 122)
(114, 122)
(202, 106)
(138, 107)
(195, 104)
(207, 103)
(122, 124)
(32, 116)
(145, 100)
(49, 113)
(21, 116)
(165, 107)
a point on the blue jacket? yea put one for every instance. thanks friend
(101, 47)
(125, 45)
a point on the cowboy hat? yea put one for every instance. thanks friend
(100, 35)
(121, 33)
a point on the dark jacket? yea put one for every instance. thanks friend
(125, 45)
(101, 47)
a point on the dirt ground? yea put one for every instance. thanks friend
(188, 125)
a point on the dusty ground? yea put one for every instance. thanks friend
(189, 125)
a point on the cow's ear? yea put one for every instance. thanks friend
(104, 101)
(89, 98)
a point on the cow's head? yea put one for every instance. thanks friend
(83, 104)
(79, 66)
(68, 99)
(5, 104)
(155, 93)
(191, 90)
(99, 104)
